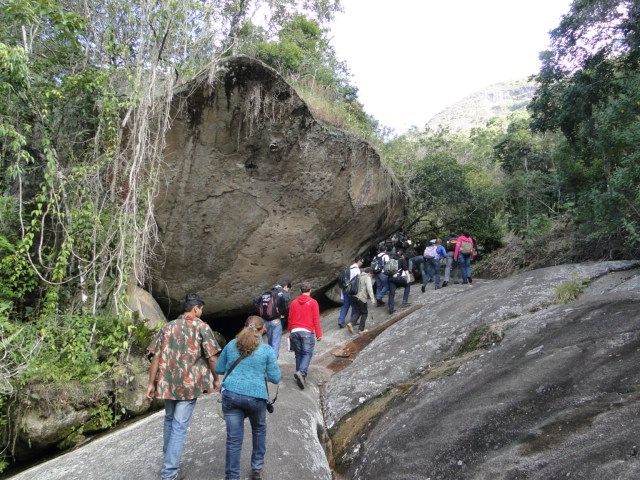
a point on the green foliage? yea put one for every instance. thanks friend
(568, 292)
(590, 91)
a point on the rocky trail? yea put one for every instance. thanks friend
(489, 381)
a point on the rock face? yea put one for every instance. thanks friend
(498, 382)
(256, 190)
(498, 100)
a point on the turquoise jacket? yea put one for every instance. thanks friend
(248, 376)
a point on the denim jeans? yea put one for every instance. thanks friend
(382, 285)
(303, 344)
(236, 407)
(420, 262)
(177, 415)
(433, 271)
(465, 266)
(346, 303)
(274, 334)
(393, 285)
(449, 266)
(359, 311)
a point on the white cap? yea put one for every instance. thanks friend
(433, 240)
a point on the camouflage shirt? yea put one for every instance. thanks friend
(184, 345)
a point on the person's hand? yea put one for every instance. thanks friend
(151, 390)
(319, 339)
(216, 385)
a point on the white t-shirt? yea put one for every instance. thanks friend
(354, 271)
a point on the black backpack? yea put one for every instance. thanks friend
(268, 305)
(377, 264)
(349, 285)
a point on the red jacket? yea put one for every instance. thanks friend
(461, 239)
(304, 312)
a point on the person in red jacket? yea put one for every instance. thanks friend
(305, 328)
(463, 254)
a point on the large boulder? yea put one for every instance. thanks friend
(255, 189)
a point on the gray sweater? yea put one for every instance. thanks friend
(366, 289)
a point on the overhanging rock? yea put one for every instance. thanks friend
(255, 190)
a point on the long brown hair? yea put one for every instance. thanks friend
(249, 337)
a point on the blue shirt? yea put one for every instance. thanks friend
(247, 378)
(441, 252)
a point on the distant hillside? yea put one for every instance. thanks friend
(498, 100)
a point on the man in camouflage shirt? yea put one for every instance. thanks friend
(183, 368)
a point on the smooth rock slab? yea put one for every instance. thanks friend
(432, 333)
(570, 411)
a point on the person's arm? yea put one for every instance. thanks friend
(151, 386)
(212, 361)
(221, 363)
(457, 250)
(273, 370)
(369, 287)
(316, 321)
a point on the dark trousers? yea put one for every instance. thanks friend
(359, 310)
(394, 283)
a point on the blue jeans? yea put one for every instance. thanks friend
(274, 334)
(465, 266)
(433, 271)
(393, 285)
(382, 285)
(177, 415)
(236, 407)
(451, 265)
(303, 344)
(346, 303)
(419, 261)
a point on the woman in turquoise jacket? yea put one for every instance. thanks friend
(248, 363)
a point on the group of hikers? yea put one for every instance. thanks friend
(187, 361)
(394, 266)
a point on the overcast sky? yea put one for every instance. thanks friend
(410, 59)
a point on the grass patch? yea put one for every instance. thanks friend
(480, 338)
(568, 292)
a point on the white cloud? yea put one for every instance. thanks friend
(412, 58)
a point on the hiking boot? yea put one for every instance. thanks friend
(464, 282)
(350, 327)
(456, 283)
(391, 311)
(356, 323)
(408, 304)
(422, 288)
(341, 325)
(256, 475)
(444, 284)
(470, 280)
(379, 303)
(300, 380)
(363, 331)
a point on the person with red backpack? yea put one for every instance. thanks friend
(272, 307)
(463, 254)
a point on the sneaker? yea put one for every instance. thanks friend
(379, 303)
(470, 280)
(422, 288)
(363, 331)
(444, 284)
(256, 475)
(437, 287)
(356, 323)
(350, 327)
(341, 325)
(299, 379)
(406, 304)
(456, 283)
(391, 311)
(464, 282)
